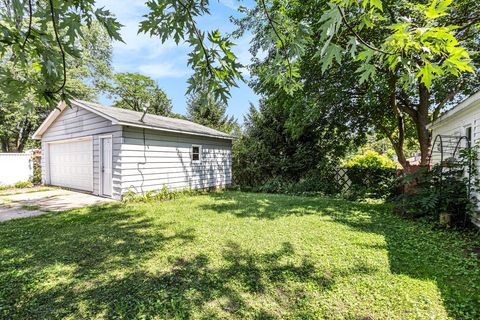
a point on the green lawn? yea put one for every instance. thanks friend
(236, 255)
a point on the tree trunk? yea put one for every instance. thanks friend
(4, 141)
(397, 145)
(23, 135)
(421, 122)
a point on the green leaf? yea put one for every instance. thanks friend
(428, 73)
(367, 72)
(333, 51)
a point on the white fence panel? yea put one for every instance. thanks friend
(15, 167)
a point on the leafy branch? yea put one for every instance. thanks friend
(282, 43)
(30, 18)
(199, 38)
(355, 33)
(57, 38)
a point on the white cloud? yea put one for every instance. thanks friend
(163, 70)
(232, 4)
(129, 14)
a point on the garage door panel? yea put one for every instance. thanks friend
(71, 164)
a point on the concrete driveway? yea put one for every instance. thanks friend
(34, 202)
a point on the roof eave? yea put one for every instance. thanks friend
(463, 106)
(37, 135)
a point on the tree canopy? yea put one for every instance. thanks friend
(20, 118)
(41, 38)
(135, 91)
(209, 111)
(410, 60)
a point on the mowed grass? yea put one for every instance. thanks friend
(236, 255)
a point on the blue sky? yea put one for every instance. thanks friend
(167, 62)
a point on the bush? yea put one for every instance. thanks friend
(374, 182)
(23, 184)
(37, 167)
(371, 159)
(315, 182)
(441, 194)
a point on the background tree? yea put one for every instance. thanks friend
(135, 91)
(209, 111)
(20, 118)
(293, 138)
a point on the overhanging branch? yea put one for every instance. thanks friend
(365, 43)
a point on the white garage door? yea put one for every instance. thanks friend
(71, 164)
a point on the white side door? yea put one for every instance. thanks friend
(106, 166)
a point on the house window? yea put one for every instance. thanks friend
(468, 134)
(196, 153)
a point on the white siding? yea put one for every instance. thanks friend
(456, 125)
(149, 159)
(75, 122)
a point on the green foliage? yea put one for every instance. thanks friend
(370, 182)
(371, 159)
(19, 118)
(40, 38)
(397, 49)
(135, 91)
(214, 64)
(314, 183)
(158, 195)
(443, 190)
(423, 47)
(275, 146)
(219, 255)
(23, 184)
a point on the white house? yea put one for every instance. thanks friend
(108, 151)
(461, 121)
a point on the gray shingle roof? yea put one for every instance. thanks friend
(132, 118)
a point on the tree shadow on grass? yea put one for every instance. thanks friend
(194, 287)
(414, 248)
(81, 245)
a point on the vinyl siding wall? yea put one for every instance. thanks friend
(76, 122)
(149, 159)
(456, 126)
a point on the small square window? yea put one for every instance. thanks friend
(196, 150)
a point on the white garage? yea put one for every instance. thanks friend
(71, 164)
(109, 151)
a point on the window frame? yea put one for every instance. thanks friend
(199, 153)
(465, 129)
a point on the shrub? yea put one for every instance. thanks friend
(441, 193)
(23, 184)
(37, 167)
(371, 159)
(374, 182)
